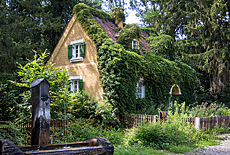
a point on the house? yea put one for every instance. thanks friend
(117, 61)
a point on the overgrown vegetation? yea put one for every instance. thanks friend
(174, 135)
(120, 68)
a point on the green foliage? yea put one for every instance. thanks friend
(31, 25)
(57, 78)
(11, 131)
(118, 13)
(117, 29)
(8, 102)
(209, 109)
(106, 114)
(204, 27)
(120, 69)
(136, 151)
(84, 129)
(85, 106)
(163, 46)
(127, 34)
(161, 136)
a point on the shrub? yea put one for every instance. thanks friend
(163, 135)
(85, 105)
(84, 129)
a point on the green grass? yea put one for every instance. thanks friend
(136, 151)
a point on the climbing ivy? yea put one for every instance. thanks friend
(117, 13)
(120, 68)
(127, 34)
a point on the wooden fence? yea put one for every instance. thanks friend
(131, 120)
(128, 120)
(211, 122)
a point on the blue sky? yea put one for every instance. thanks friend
(132, 18)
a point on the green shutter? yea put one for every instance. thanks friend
(82, 49)
(69, 84)
(70, 48)
(81, 84)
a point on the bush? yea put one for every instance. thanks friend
(85, 105)
(163, 135)
(84, 129)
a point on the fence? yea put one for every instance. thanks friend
(211, 122)
(128, 120)
(131, 120)
(10, 129)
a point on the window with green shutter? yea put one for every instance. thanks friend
(76, 50)
(76, 83)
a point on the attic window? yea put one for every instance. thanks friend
(76, 50)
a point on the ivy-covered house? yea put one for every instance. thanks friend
(130, 66)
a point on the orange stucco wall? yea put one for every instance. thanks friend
(86, 68)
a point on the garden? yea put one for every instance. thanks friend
(97, 118)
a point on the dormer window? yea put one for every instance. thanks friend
(76, 50)
(134, 44)
(140, 88)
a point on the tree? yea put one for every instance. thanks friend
(20, 33)
(167, 17)
(31, 25)
(207, 42)
(205, 27)
(59, 85)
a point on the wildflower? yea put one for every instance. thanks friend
(162, 105)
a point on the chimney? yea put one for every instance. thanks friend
(119, 16)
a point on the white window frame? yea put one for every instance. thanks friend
(134, 44)
(140, 90)
(73, 80)
(76, 43)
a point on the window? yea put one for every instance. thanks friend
(134, 44)
(76, 50)
(140, 88)
(76, 83)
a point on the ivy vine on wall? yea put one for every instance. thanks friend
(120, 68)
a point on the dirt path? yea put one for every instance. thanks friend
(222, 149)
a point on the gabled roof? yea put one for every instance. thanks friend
(109, 27)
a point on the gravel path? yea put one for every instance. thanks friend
(222, 149)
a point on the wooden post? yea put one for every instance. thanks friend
(40, 112)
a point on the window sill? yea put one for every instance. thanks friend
(76, 59)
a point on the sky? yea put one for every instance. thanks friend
(132, 19)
